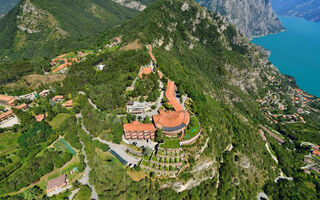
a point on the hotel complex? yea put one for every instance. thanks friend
(170, 122)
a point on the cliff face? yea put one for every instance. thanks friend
(308, 9)
(252, 17)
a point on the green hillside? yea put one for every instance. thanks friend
(229, 83)
(36, 28)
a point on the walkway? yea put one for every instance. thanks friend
(73, 193)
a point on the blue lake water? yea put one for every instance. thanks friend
(296, 52)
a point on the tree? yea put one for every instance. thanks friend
(147, 151)
(158, 136)
(147, 120)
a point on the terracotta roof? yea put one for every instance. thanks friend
(68, 103)
(57, 182)
(57, 97)
(6, 114)
(39, 117)
(145, 70)
(22, 106)
(171, 119)
(150, 53)
(316, 152)
(10, 100)
(171, 96)
(136, 126)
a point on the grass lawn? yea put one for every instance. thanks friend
(316, 157)
(136, 176)
(170, 143)
(70, 55)
(84, 193)
(193, 128)
(8, 141)
(58, 120)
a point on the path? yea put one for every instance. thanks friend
(94, 105)
(73, 193)
(85, 180)
(274, 157)
(135, 80)
(262, 195)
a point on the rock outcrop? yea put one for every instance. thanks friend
(252, 17)
(308, 9)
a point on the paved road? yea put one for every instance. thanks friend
(85, 180)
(73, 193)
(59, 190)
(121, 151)
(262, 195)
(141, 143)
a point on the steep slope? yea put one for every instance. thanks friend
(36, 28)
(252, 17)
(6, 5)
(308, 9)
(224, 75)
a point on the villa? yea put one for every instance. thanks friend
(40, 117)
(145, 70)
(56, 183)
(68, 104)
(136, 130)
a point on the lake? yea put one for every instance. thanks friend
(296, 52)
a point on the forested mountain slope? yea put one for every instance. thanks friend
(225, 77)
(252, 17)
(6, 5)
(36, 28)
(308, 9)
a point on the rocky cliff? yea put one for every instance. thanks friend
(308, 9)
(252, 17)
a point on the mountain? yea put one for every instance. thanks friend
(6, 5)
(243, 103)
(36, 28)
(252, 17)
(308, 9)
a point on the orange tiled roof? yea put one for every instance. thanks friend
(316, 152)
(6, 114)
(68, 103)
(171, 96)
(39, 117)
(136, 126)
(171, 119)
(145, 70)
(57, 97)
(22, 106)
(150, 53)
(10, 100)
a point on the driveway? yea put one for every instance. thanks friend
(59, 190)
(141, 143)
(10, 122)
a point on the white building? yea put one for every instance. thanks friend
(100, 67)
(136, 107)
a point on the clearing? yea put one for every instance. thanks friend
(132, 46)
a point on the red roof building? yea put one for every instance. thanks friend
(58, 98)
(40, 117)
(56, 183)
(316, 152)
(21, 106)
(145, 70)
(172, 122)
(136, 130)
(68, 104)
(6, 115)
(7, 100)
(151, 54)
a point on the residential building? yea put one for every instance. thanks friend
(100, 67)
(68, 104)
(44, 93)
(22, 106)
(145, 70)
(57, 99)
(6, 115)
(136, 130)
(6, 100)
(136, 107)
(40, 117)
(316, 152)
(56, 183)
(151, 54)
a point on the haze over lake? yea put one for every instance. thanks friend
(296, 52)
